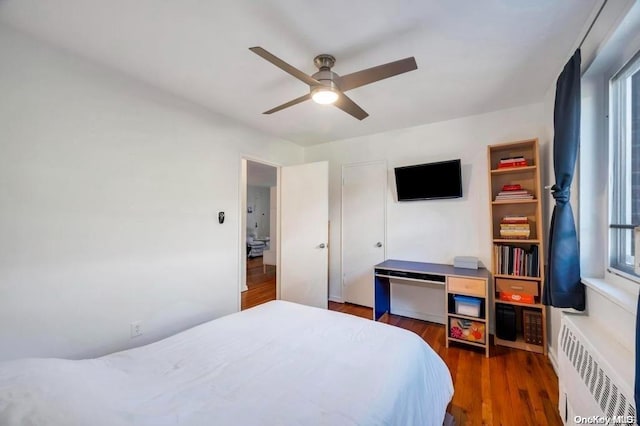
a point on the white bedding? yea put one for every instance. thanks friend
(277, 364)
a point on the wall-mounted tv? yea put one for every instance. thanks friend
(429, 181)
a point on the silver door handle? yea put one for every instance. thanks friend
(322, 245)
(378, 244)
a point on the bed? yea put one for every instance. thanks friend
(279, 363)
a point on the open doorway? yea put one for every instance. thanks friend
(260, 234)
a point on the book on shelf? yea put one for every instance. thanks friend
(512, 166)
(517, 261)
(519, 229)
(509, 160)
(525, 197)
(520, 196)
(532, 326)
(516, 227)
(515, 235)
(515, 219)
(512, 187)
(512, 162)
(514, 192)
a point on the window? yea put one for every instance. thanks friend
(625, 165)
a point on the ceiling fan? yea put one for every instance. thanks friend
(327, 87)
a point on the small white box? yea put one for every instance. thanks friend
(466, 305)
(467, 262)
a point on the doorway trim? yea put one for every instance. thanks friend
(242, 275)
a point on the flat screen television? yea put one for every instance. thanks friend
(429, 181)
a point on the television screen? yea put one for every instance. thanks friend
(429, 181)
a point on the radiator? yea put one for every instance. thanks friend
(595, 375)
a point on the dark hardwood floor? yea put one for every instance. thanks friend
(261, 285)
(510, 388)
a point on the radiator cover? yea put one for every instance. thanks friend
(595, 374)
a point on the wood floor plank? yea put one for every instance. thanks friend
(487, 400)
(510, 388)
(463, 398)
(520, 395)
(502, 407)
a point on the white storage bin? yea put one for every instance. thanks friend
(466, 305)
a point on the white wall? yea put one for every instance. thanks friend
(437, 230)
(109, 193)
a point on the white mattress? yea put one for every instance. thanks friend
(277, 364)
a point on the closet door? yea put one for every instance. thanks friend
(364, 191)
(304, 234)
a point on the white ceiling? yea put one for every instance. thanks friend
(473, 56)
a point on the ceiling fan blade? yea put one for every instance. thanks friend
(370, 75)
(290, 103)
(284, 66)
(350, 107)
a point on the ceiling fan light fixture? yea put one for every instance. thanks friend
(324, 95)
(326, 87)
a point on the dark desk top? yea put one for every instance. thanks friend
(431, 268)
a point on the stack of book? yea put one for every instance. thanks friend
(532, 327)
(517, 261)
(518, 161)
(516, 227)
(513, 192)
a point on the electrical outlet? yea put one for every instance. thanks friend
(136, 329)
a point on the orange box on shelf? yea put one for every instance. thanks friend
(514, 297)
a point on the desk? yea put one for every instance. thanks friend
(455, 281)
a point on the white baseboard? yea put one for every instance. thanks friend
(336, 299)
(439, 319)
(552, 357)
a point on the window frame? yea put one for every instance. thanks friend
(621, 244)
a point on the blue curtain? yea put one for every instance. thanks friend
(563, 288)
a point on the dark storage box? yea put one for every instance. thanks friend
(505, 322)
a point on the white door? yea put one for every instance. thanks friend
(364, 191)
(304, 234)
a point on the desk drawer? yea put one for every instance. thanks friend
(517, 286)
(467, 286)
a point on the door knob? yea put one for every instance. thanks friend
(378, 244)
(321, 245)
